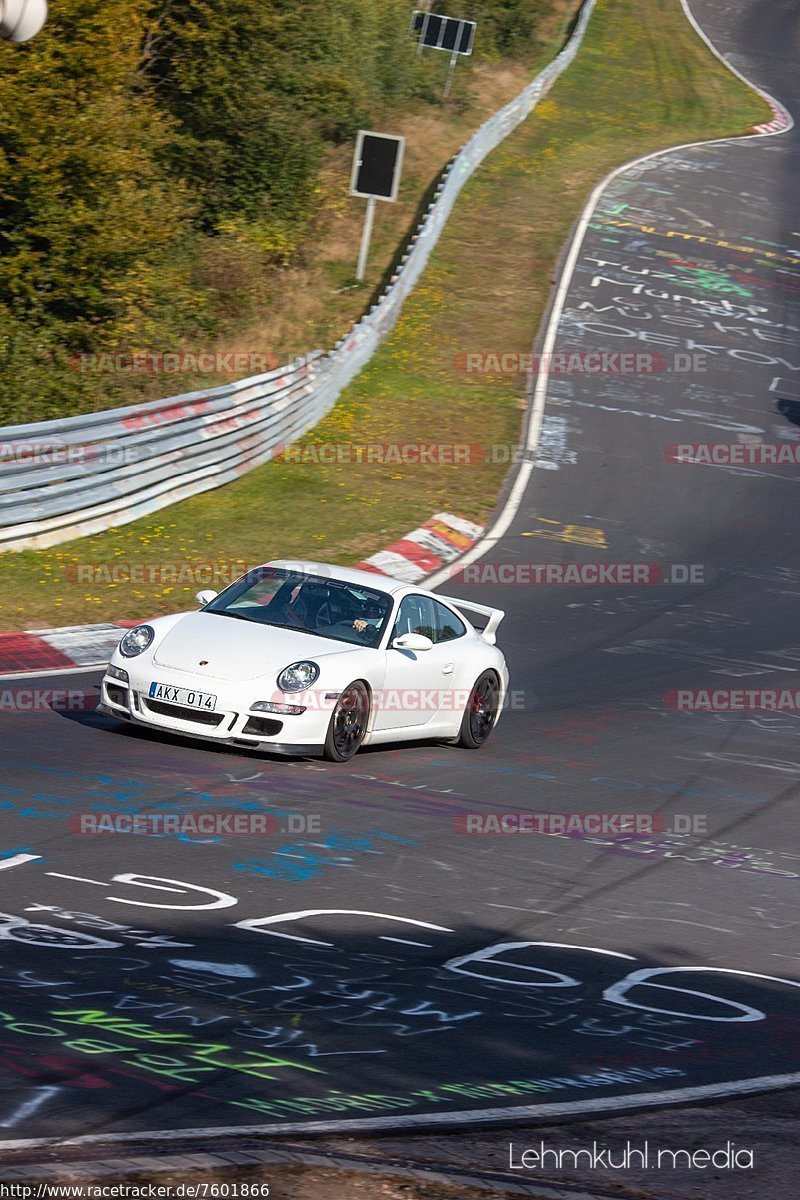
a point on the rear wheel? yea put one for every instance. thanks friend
(480, 714)
(348, 723)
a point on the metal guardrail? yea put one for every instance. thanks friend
(112, 467)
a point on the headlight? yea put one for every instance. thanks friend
(136, 640)
(117, 673)
(298, 676)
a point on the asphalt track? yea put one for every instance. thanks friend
(374, 966)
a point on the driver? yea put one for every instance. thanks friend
(370, 620)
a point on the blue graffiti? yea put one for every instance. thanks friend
(296, 861)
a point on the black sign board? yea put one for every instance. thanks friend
(444, 33)
(377, 163)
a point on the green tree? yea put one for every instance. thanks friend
(85, 207)
(258, 87)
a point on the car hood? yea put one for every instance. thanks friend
(238, 650)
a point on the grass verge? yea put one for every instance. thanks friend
(642, 81)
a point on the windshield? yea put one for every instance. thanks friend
(329, 608)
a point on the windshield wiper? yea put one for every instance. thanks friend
(293, 627)
(224, 612)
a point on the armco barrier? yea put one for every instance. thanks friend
(128, 462)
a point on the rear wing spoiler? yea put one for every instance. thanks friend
(495, 615)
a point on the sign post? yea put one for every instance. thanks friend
(450, 69)
(366, 238)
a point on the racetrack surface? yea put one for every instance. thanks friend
(419, 974)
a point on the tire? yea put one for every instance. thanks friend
(348, 723)
(480, 715)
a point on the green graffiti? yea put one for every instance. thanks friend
(711, 281)
(121, 1025)
(209, 1057)
(253, 1062)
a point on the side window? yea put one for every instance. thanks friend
(448, 625)
(416, 615)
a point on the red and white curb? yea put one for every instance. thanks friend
(53, 651)
(86, 647)
(429, 548)
(781, 119)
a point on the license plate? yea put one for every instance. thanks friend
(185, 697)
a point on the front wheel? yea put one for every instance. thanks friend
(480, 714)
(348, 724)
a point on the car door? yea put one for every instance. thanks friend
(417, 683)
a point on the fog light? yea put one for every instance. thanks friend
(117, 673)
(116, 695)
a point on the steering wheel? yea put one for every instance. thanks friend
(367, 633)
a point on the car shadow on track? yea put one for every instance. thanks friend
(89, 718)
(789, 409)
(455, 1026)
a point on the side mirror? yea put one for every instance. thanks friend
(206, 596)
(412, 641)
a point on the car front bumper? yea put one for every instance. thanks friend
(232, 722)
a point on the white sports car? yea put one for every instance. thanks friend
(307, 658)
